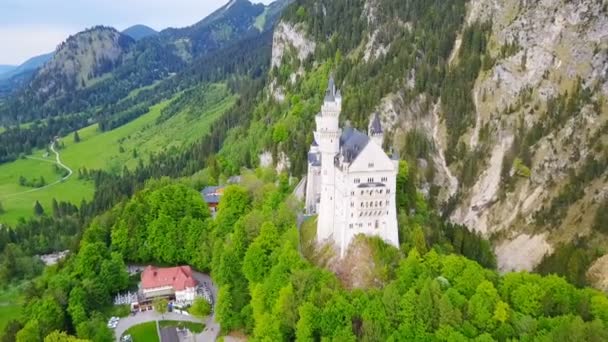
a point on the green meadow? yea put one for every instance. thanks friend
(145, 332)
(110, 151)
(18, 201)
(10, 305)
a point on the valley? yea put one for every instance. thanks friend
(112, 151)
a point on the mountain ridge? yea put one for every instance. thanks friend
(139, 31)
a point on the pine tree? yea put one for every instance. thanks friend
(38, 209)
(76, 137)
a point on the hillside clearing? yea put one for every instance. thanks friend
(110, 151)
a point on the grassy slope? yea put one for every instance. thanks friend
(10, 305)
(22, 205)
(101, 150)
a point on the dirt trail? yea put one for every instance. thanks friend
(58, 162)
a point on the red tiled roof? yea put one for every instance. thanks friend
(179, 277)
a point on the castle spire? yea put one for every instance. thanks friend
(375, 131)
(330, 93)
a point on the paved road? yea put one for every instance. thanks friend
(58, 162)
(212, 327)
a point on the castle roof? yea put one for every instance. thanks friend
(352, 143)
(375, 126)
(331, 93)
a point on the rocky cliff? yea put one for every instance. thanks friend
(528, 166)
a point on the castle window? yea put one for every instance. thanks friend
(370, 165)
(388, 191)
(381, 191)
(384, 179)
(357, 180)
(377, 225)
(352, 193)
(361, 192)
(370, 180)
(350, 226)
(352, 204)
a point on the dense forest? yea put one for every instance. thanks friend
(270, 292)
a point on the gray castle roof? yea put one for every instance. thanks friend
(352, 142)
(331, 93)
(375, 126)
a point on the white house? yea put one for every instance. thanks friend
(351, 181)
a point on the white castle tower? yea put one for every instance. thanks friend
(327, 137)
(351, 181)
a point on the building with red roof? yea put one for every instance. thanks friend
(175, 282)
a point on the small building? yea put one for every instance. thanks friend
(212, 195)
(173, 282)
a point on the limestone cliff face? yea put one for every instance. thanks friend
(289, 41)
(82, 58)
(554, 44)
(558, 43)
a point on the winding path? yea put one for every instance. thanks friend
(58, 162)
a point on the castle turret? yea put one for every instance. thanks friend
(375, 131)
(327, 137)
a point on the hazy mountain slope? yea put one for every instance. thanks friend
(31, 64)
(19, 76)
(6, 68)
(138, 32)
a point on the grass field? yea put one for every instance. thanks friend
(145, 332)
(17, 204)
(111, 151)
(10, 305)
(194, 327)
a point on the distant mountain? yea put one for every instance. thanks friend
(138, 32)
(16, 77)
(6, 68)
(96, 68)
(29, 65)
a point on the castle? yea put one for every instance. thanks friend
(351, 181)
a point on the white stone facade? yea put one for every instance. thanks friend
(351, 181)
(186, 295)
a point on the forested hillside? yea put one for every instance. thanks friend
(128, 66)
(459, 88)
